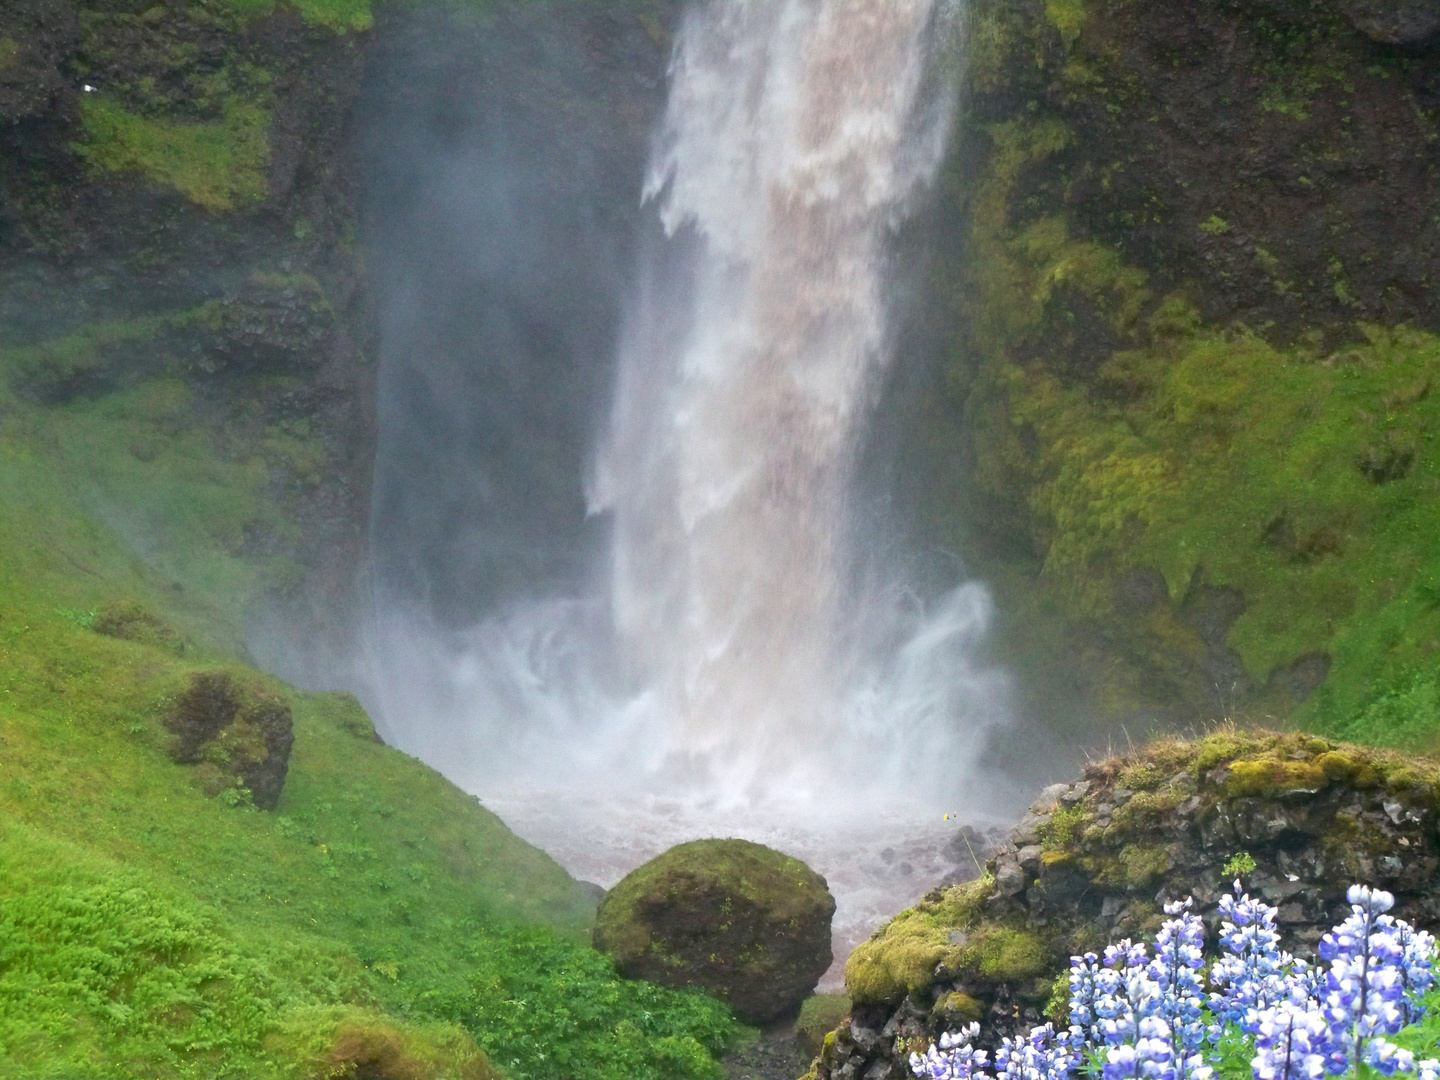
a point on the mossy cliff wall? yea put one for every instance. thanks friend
(189, 193)
(1185, 419)
(1300, 818)
(182, 301)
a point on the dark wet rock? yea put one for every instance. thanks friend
(272, 323)
(35, 40)
(736, 919)
(1174, 820)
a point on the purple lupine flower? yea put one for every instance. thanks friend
(1084, 993)
(1042, 1056)
(1386, 1058)
(1253, 977)
(1180, 997)
(1292, 1042)
(1362, 986)
(1126, 954)
(954, 1058)
(1125, 992)
(1149, 1057)
(1416, 968)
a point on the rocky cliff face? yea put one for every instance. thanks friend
(178, 222)
(1298, 818)
(187, 192)
(1182, 411)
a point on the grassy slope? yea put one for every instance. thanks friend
(147, 930)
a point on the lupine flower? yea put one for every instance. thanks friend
(1043, 1056)
(1362, 987)
(1149, 1057)
(1292, 1042)
(955, 1058)
(1144, 1016)
(1416, 968)
(1085, 992)
(1253, 977)
(1180, 997)
(1386, 1058)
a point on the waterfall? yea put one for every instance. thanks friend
(728, 670)
(796, 136)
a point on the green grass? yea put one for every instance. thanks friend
(219, 165)
(1309, 482)
(147, 930)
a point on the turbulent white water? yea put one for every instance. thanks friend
(730, 678)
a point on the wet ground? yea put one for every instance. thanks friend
(776, 1055)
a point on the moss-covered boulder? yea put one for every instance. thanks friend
(237, 732)
(1299, 818)
(736, 919)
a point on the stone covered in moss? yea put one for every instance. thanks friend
(237, 731)
(736, 919)
(1300, 818)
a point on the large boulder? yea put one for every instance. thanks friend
(736, 919)
(237, 732)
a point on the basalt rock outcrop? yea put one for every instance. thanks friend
(1299, 818)
(736, 919)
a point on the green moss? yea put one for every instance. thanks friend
(1269, 777)
(1245, 464)
(819, 1016)
(1064, 827)
(1142, 776)
(9, 52)
(219, 165)
(1068, 17)
(1005, 954)
(745, 873)
(1136, 867)
(955, 1006)
(901, 956)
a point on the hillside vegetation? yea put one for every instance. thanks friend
(153, 922)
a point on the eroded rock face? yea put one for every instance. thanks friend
(1394, 22)
(1300, 818)
(234, 732)
(736, 919)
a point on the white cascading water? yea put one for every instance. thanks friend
(790, 148)
(729, 678)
